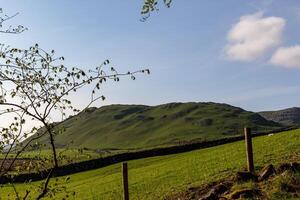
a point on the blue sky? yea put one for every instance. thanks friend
(196, 50)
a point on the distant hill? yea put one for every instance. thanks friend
(140, 126)
(289, 117)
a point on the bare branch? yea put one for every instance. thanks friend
(10, 30)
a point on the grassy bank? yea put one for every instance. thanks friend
(154, 178)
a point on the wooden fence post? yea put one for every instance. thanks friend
(125, 181)
(249, 149)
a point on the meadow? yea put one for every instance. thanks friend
(65, 156)
(157, 177)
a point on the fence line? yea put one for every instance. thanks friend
(125, 181)
(103, 162)
(249, 149)
(249, 158)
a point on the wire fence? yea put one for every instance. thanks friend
(167, 175)
(162, 176)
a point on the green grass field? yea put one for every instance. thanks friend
(64, 155)
(157, 177)
(45, 153)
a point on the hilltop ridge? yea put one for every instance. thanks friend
(141, 126)
(288, 117)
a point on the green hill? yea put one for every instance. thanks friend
(140, 126)
(289, 116)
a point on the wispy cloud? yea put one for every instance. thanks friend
(253, 36)
(297, 12)
(261, 93)
(66, 28)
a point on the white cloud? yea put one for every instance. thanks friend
(253, 36)
(288, 57)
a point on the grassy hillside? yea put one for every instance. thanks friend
(290, 116)
(139, 126)
(157, 177)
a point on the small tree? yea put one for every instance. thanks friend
(34, 86)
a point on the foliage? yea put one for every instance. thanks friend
(35, 86)
(150, 6)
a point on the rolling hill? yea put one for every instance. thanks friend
(140, 126)
(289, 117)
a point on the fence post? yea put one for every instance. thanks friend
(125, 181)
(249, 149)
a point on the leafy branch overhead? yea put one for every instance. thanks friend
(150, 6)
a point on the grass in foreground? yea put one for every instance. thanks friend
(154, 178)
(282, 186)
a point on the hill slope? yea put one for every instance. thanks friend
(139, 126)
(290, 116)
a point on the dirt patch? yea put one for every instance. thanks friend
(246, 194)
(245, 185)
(209, 191)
